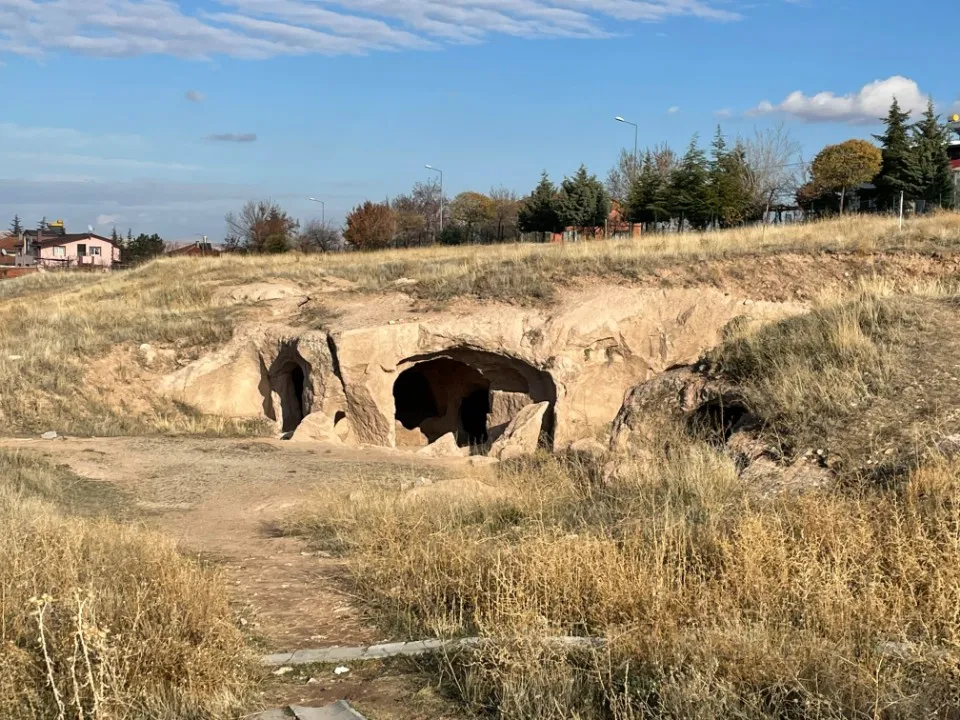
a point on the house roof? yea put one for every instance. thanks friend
(54, 240)
(12, 246)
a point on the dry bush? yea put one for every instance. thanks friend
(714, 603)
(103, 621)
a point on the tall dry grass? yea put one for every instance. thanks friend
(714, 603)
(101, 621)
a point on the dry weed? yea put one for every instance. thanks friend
(105, 622)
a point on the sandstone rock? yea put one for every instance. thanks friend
(504, 407)
(444, 447)
(316, 427)
(410, 438)
(481, 461)
(147, 354)
(49, 435)
(590, 447)
(522, 437)
(344, 431)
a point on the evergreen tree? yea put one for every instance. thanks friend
(688, 193)
(115, 237)
(899, 171)
(933, 162)
(716, 172)
(643, 203)
(583, 201)
(539, 212)
(142, 248)
(16, 227)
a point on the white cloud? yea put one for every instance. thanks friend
(867, 105)
(195, 96)
(267, 28)
(108, 220)
(673, 110)
(723, 113)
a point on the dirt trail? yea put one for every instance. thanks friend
(221, 499)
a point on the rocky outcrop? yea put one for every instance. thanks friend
(472, 373)
(522, 437)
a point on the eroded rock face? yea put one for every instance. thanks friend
(316, 427)
(466, 374)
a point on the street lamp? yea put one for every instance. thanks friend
(636, 131)
(438, 170)
(323, 210)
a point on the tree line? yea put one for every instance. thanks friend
(734, 182)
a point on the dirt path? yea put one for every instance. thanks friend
(221, 500)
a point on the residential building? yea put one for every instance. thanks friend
(53, 247)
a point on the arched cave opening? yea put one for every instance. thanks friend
(291, 388)
(470, 393)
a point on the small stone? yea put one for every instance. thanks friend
(14, 357)
(49, 435)
(281, 671)
(341, 670)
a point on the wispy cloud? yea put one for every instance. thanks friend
(723, 113)
(195, 96)
(673, 110)
(268, 28)
(233, 137)
(866, 105)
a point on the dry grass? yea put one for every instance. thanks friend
(103, 621)
(56, 324)
(870, 381)
(529, 273)
(715, 603)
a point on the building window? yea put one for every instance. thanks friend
(59, 251)
(95, 250)
(81, 250)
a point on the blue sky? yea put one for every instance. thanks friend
(163, 115)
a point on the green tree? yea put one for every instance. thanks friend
(687, 196)
(16, 227)
(142, 248)
(933, 162)
(539, 212)
(261, 226)
(899, 170)
(115, 237)
(843, 167)
(583, 201)
(371, 226)
(644, 204)
(471, 210)
(729, 191)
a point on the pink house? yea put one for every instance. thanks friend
(85, 250)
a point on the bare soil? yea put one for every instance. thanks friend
(222, 500)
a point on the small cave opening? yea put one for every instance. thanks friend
(470, 393)
(718, 419)
(291, 388)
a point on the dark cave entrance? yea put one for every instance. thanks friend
(290, 383)
(470, 393)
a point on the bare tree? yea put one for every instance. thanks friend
(775, 170)
(319, 236)
(621, 176)
(260, 226)
(665, 160)
(506, 206)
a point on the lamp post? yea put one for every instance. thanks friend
(438, 170)
(636, 135)
(323, 210)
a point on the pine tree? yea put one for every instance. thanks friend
(688, 196)
(16, 227)
(933, 162)
(899, 172)
(716, 171)
(539, 212)
(643, 203)
(583, 201)
(115, 236)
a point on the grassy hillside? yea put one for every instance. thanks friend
(57, 326)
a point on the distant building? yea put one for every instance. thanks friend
(194, 249)
(953, 125)
(53, 247)
(616, 228)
